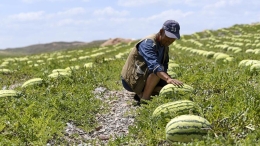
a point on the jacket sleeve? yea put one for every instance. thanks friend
(147, 49)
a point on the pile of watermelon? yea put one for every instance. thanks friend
(184, 123)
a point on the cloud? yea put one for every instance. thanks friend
(34, 1)
(65, 22)
(170, 14)
(41, 15)
(109, 11)
(71, 22)
(222, 4)
(72, 11)
(30, 16)
(129, 3)
(30, 1)
(138, 3)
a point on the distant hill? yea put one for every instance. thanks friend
(49, 47)
(58, 46)
(116, 41)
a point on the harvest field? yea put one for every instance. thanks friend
(222, 66)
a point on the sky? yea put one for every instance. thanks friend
(30, 22)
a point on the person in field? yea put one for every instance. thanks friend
(145, 70)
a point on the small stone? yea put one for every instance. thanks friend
(103, 137)
(69, 125)
(102, 130)
(98, 128)
(113, 101)
(124, 105)
(113, 109)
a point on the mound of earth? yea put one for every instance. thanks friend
(115, 41)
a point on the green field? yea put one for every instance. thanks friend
(216, 63)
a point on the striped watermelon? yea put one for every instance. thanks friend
(59, 74)
(70, 68)
(31, 82)
(8, 93)
(172, 74)
(186, 128)
(173, 109)
(173, 65)
(5, 71)
(172, 90)
(255, 68)
(59, 70)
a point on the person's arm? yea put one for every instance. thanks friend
(147, 49)
(164, 76)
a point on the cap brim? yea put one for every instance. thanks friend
(171, 35)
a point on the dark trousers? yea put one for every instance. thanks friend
(125, 85)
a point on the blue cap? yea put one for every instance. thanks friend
(172, 29)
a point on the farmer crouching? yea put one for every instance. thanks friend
(145, 70)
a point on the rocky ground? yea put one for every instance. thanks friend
(114, 123)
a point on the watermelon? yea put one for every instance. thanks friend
(59, 74)
(8, 93)
(221, 57)
(255, 68)
(247, 62)
(5, 71)
(228, 59)
(59, 70)
(170, 90)
(210, 54)
(174, 65)
(70, 68)
(173, 109)
(33, 81)
(88, 65)
(172, 74)
(186, 128)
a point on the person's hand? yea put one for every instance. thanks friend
(175, 82)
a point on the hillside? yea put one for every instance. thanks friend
(49, 47)
(76, 97)
(115, 41)
(59, 46)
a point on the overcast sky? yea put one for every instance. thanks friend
(28, 22)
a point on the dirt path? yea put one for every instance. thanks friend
(113, 123)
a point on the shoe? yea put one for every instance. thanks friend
(136, 97)
(155, 93)
(139, 101)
